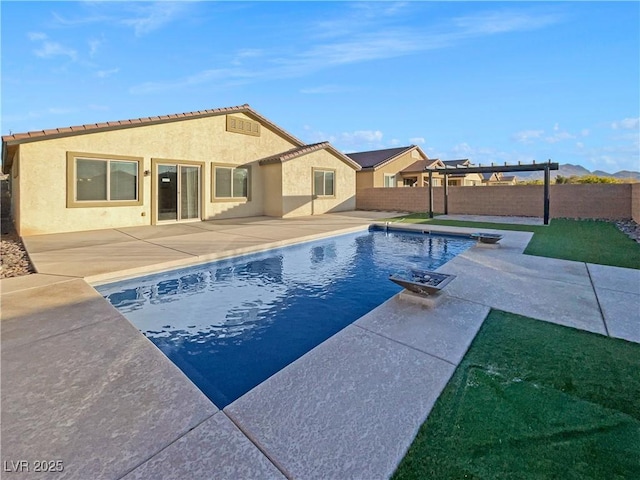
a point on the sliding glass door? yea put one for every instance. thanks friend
(178, 192)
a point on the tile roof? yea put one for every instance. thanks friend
(304, 150)
(10, 142)
(463, 162)
(92, 127)
(376, 158)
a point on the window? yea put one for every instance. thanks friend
(389, 180)
(324, 183)
(230, 182)
(95, 181)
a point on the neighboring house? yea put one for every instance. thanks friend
(211, 164)
(405, 167)
(462, 179)
(382, 168)
(498, 178)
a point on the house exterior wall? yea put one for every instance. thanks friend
(395, 167)
(606, 201)
(43, 181)
(272, 189)
(297, 185)
(364, 179)
(14, 188)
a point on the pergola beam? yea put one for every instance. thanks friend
(529, 167)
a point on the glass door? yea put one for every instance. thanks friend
(178, 192)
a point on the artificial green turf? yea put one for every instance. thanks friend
(590, 241)
(534, 400)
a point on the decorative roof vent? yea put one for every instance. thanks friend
(243, 125)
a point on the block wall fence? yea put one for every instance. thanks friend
(606, 201)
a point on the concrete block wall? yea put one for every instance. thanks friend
(635, 202)
(609, 201)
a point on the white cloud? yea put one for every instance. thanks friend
(417, 140)
(491, 23)
(54, 49)
(152, 16)
(94, 45)
(626, 124)
(245, 53)
(559, 136)
(106, 73)
(142, 17)
(585, 132)
(367, 136)
(366, 33)
(527, 136)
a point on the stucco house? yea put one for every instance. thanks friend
(381, 168)
(405, 167)
(211, 164)
(498, 178)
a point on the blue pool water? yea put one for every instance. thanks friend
(231, 324)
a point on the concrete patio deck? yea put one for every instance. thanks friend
(80, 384)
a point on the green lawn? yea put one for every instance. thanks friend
(589, 241)
(533, 399)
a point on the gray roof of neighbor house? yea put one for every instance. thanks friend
(10, 142)
(463, 162)
(304, 150)
(376, 158)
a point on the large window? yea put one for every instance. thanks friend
(389, 180)
(324, 183)
(94, 181)
(230, 183)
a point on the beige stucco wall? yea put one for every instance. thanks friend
(43, 183)
(297, 185)
(364, 179)
(272, 189)
(394, 167)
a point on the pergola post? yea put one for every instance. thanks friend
(546, 194)
(430, 194)
(446, 194)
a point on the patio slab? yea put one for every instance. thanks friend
(100, 398)
(28, 315)
(61, 241)
(621, 312)
(99, 259)
(444, 332)
(214, 449)
(347, 409)
(615, 278)
(552, 300)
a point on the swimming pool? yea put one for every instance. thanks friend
(231, 324)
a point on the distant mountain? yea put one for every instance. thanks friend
(569, 170)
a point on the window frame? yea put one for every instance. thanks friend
(387, 176)
(72, 183)
(313, 182)
(233, 199)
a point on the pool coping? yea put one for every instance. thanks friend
(241, 427)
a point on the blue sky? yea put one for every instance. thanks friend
(490, 81)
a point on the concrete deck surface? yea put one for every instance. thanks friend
(82, 385)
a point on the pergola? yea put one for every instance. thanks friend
(529, 167)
